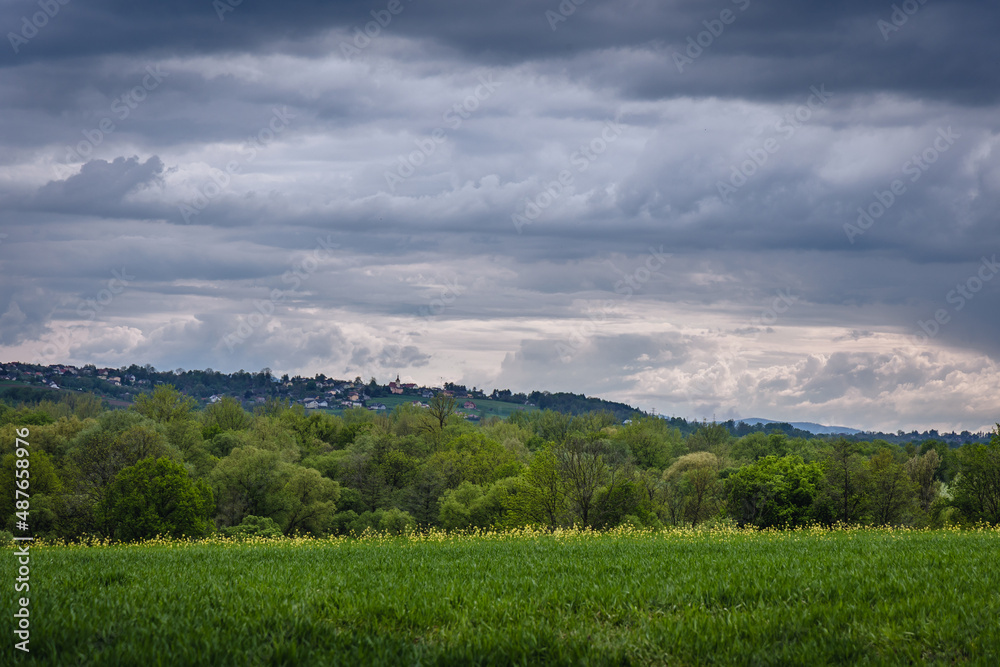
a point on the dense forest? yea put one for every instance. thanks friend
(165, 467)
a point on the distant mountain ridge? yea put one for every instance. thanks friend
(812, 427)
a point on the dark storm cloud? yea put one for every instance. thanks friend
(14, 325)
(99, 188)
(429, 274)
(762, 50)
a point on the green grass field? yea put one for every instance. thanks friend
(687, 597)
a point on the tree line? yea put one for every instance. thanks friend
(162, 467)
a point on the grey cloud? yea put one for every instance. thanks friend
(12, 324)
(100, 187)
(684, 337)
(769, 49)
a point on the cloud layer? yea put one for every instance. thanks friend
(753, 208)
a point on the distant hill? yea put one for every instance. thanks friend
(578, 404)
(812, 427)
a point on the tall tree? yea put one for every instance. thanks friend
(310, 501)
(441, 407)
(246, 482)
(892, 492)
(582, 465)
(364, 473)
(542, 497)
(845, 481)
(691, 488)
(421, 496)
(922, 471)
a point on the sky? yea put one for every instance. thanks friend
(715, 210)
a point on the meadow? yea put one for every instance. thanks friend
(811, 596)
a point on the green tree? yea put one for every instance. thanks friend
(164, 404)
(55, 439)
(25, 416)
(891, 493)
(310, 501)
(441, 407)
(479, 459)
(43, 485)
(407, 419)
(271, 434)
(185, 435)
(273, 407)
(376, 469)
(758, 445)
(650, 488)
(845, 482)
(84, 405)
(395, 521)
(541, 500)
(977, 487)
(614, 503)
(225, 415)
(584, 471)
(593, 422)
(773, 492)
(316, 433)
(254, 526)
(553, 426)
(397, 468)
(652, 441)
(457, 506)
(421, 497)
(246, 482)
(949, 465)
(922, 471)
(709, 438)
(363, 474)
(222, 444)
(691, 488)
(119, 439)
(473, 506)
(155, 497)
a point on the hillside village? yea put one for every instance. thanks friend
(315, 393)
